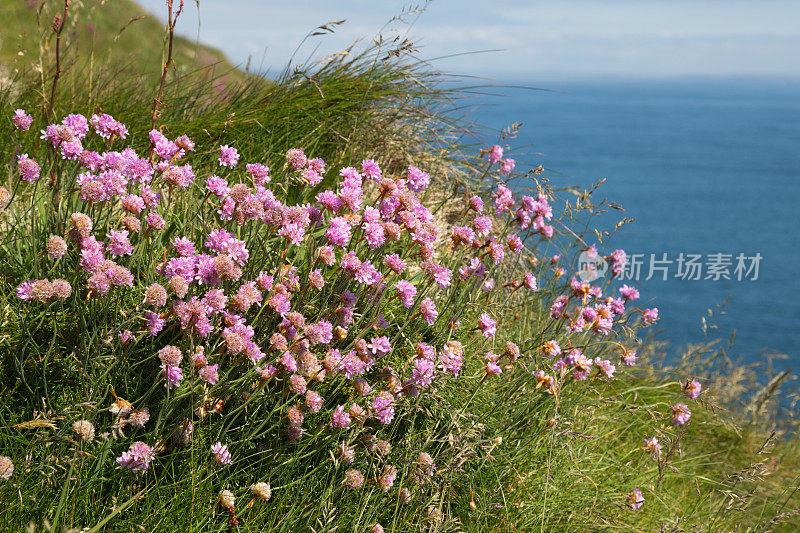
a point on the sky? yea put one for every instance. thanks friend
(519, 39)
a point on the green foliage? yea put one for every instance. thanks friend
(509, 456)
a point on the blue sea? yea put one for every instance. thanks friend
(705, 167)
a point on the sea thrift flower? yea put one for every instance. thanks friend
(340, 418)
(84, 429)
(56, 247)
(154, 323)
(296, 158)
(423, 373)
(428, 310)
(652, 446)
(386, 480)
(371, 170)
(383, 407)
(313, 401)
(629, 293)
(487, 325)
(507, 166)
(155, 296)
(295, 416)
(28, 168)
(259, 173)
(649, 316)
(118, 243)
(407, 291)
(173, 375)
(493, 368)
(495, 153)
(629, 357)
(605, 367)
(170, 355)
(297, 383)
(680, 413)
(221, 454)
(105, 126)
(6, 468)
(394, 262)
(417, 180)
(139, 417)
(228, 156)
(155, 221)
(353, 479)
(210, 374)
(137, 458)
(635, 499)
(22, 120)
(692, 388)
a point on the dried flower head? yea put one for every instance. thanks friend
(226, 499)
(84, 429)
(6, 467)
(262, 490)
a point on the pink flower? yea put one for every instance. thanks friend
(221, 454)
(173, 375)
(508, 166)
(394, 262)
(649, 316)
(154, 323)
(340, 418)
(428, 310)
(680, 413)
(495, 153)
(653, 446)
(383, 407)
(28, 168)
(105, 126)
(635, 499)
(259, 173)
(629, 293)
(22, 120)
(371, 170)
(137, 458)
(476, 204)
(338, 232)
(417, 180)
(487, 325)
(482, 225)
(629, 357)
(118, 243)
(210, 373)
(407, 292)
(692, 388)
(296, 158)
(228, 156)
(492, 368)
(423, 373)
(605, 367)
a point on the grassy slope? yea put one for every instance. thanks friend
(568, 476)
(98, 31)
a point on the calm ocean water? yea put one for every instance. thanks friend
(704, 167)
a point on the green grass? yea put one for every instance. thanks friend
(509, 457)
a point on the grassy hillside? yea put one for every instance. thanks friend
(517, 438)
(117, 36)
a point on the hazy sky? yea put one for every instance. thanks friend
(536, 39)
